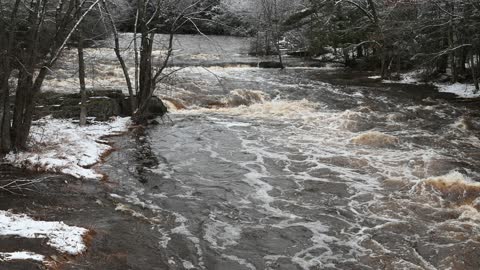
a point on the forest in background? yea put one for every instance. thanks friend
(441, 38)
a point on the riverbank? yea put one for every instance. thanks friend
(62, 146)
(462, 90)
(116, 241)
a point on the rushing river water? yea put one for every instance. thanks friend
(298, 169)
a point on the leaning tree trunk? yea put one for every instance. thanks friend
(119, 55)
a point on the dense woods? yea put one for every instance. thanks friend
(440, 37)
(33, 35)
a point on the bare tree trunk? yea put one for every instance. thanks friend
(359, 50)
(24, 95)
(382, 46)
(5, 117)
(81, 77)
(277, 45)
(277, 33)
(453, 66)
(145, 76)
(463, 59)
(7, 39)
(135, 48)
(145, 66)
(399, 64)
(383, 61)
(474, 73)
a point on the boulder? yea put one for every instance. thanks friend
(155, 107)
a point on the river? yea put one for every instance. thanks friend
(302, 168)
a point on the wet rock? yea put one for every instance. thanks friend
(299, 53)
(156, 107)
(270, 64)
(154, 123)
(317, 64)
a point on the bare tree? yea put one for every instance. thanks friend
(150, 16)
(119, 54)
(272, 17)
(37, 33)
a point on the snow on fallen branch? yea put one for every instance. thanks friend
(18, 185)
(64, 147)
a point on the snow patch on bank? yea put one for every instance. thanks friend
(61, 146)
(459, 89)
(412, 77)
(64, 238)
(21, 255)
(462, 90)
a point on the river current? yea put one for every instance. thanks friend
(298, 169)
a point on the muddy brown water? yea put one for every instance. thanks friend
(297, 169)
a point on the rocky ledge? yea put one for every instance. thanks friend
(101, 105)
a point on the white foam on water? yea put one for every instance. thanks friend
(240, 261)
(275, 108)
(221, 234)
(182, 229)
(188, 265)
(300, 142)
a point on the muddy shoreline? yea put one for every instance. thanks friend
(120, 240)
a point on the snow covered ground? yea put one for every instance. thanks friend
(64, 147)
(64, 238)
(460, 89)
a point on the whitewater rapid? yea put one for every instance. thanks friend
(267, 169)
(302, 168)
